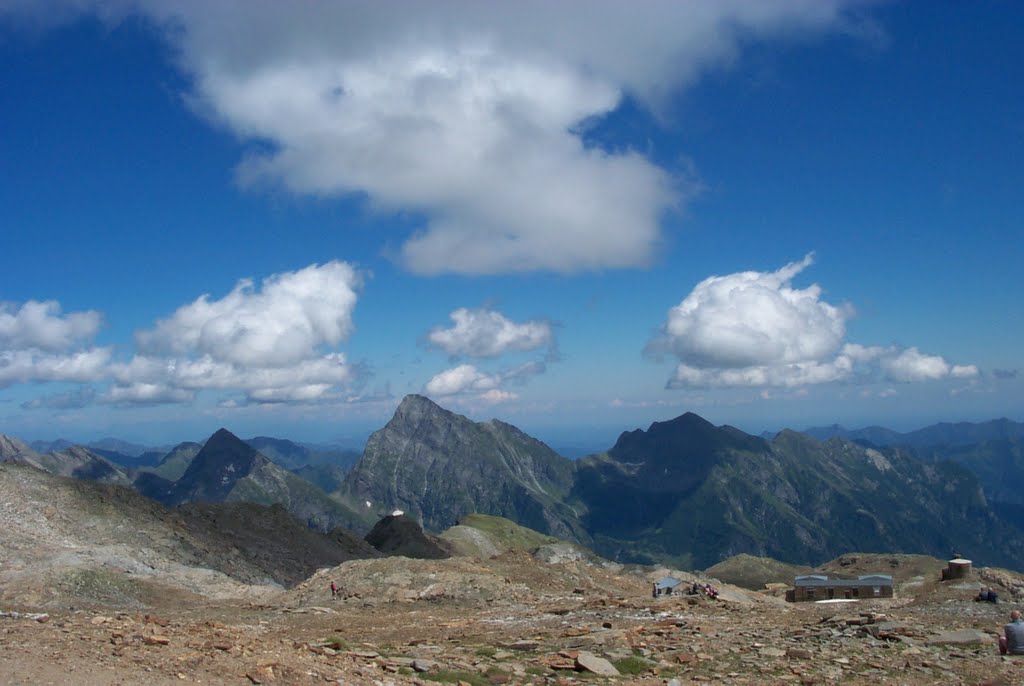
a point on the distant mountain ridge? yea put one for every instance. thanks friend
(695, 494)
(993, 451)
(73, 461)
(228, 469)
(684, 491)
(941, 434)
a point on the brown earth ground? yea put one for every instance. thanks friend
(510, 619)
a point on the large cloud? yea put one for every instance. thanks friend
(487, 333)
(753, 329)
(473, 114)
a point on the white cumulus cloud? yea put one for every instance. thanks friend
(274, 343)
(460, 379)
(755, 329)
(754, 319)
(41, 325)
(472, 114)
(23, 366)
(487, 333)
(466, 378)
(284, 322)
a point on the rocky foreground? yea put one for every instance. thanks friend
(101, 586)
(512, 619)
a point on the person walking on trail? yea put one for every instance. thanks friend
(334, 589)
(1012, 642)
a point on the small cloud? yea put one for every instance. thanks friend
(487, 333)
(1004, 373)
(70, 400)
(496, 396)
(42, 326)
(23, 366)
(466, 378)
(39, 343)
(460, 379)
(146, 394)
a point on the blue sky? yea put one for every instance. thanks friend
(783, 213)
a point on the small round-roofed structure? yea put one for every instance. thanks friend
(957, 568)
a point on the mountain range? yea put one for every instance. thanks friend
(683, 491)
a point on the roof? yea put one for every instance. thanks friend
(668, 582)
(816, 581)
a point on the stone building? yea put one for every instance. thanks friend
(814, 587)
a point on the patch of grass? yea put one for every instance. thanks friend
(497, 674)
(486, 651)
(335, 643)
(537, 670)
(448, 676)
(104, 586)
(632, 665)
(506, 534)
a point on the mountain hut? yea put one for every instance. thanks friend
(667, 585)
(814, 587)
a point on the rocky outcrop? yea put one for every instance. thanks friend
(401, 535)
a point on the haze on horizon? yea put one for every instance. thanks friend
(575, 218)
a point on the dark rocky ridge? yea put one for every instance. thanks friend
(228, 469)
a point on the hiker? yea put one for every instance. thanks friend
(334, 589)
(986, 595)
(1012, 640)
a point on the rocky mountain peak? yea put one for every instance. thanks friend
(415, 409)
(223, 437)
(440, 466)
(217, 467)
